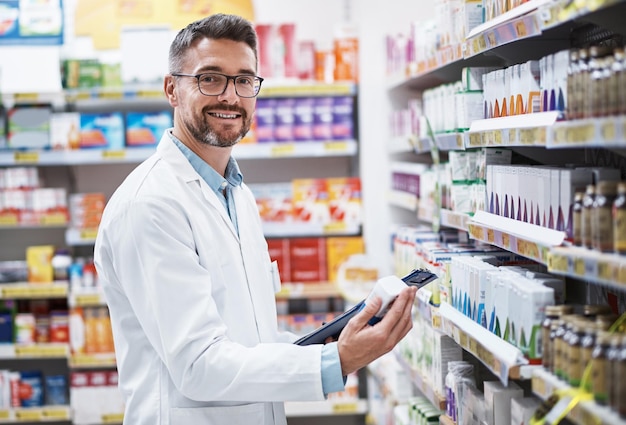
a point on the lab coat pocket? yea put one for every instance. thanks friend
(275, 275)
(246, 414)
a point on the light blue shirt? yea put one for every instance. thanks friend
(332, 380)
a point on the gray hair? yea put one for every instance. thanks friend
(217, 26)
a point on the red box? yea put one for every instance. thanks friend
(279, 252)
(308, 260)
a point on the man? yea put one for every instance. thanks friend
(185, 269)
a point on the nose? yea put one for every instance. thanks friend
(230, 93)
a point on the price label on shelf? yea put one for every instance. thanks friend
(608, 132)
(490, 236)
(557, 262)
(539, 386)
(345, 407)
(283, 149)
(88, 234)
(607, 270)
(113, 154)
(5, 414)
(475, 139)
(336, 147)
(584, 133)
(41, 350)
(52, 413)
(337, 227)
(52, 219)
(112, 418)
(520, 29)
(579, 266)
(8, 219)
(87, 299)
(111, 95)
(26, 157)
(28, 415)
(506, 240)
(621, 274)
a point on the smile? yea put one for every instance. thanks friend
(225, 116)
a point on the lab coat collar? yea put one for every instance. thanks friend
(171, 154)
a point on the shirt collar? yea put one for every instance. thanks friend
(215, 181)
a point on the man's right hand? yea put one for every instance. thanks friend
(360, 343)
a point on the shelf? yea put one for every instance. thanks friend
(401, 145)
(528, 240)
(288, 230)
(530, 31)
(593, 132)
(298, 88)
(73, 157)
(326, 408)
(581, 263)
(78, 237)
(437, 400)
(308, 290)
(27, 290)
(455, 220)
(47, 414)
(50, 350)
(91, 361)
(503, 359)
(271, 150)
(586, 412)
(446, 420)
(516, 130)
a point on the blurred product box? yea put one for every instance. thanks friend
(323, 118)
(343, 118)
(279, 251)
(104, 131)
(39, 262)
(284, 119)
(310, 201)
(29, 127)
(273, 201)
(64, 130)
(94, 395)
(86, 209)
(344, 199)
(81, 73)
(303, 119)
(146, 128)
(307, 259)
(13, 271)
(265, 119)
(3, 128)
(338, 250)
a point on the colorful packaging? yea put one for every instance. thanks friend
(39, 263)
(146, 128)
(264, 118)
(343, 118)
(104, 131)
(303, 119)
(64, 130)
(323, 118)
(31, 389)
(56, 390)
(308, 260)
(339, 249)
(284, 119)
(310, 201)
(29, 127)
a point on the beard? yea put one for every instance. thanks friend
(207, 134)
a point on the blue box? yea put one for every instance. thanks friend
(146, 128)
(104, 131)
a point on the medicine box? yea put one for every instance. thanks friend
(29, 127)
(105, 131)
(146, 128)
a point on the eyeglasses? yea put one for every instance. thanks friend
(214, 84)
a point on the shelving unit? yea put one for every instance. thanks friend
(529, 32)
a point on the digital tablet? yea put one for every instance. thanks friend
(418, 277)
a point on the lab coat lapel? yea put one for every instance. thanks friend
(173, 156)
(257, 264)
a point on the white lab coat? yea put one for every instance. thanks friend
(192, 304)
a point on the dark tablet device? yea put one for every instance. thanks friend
(418, 277)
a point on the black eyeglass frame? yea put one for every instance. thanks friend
(228, 78)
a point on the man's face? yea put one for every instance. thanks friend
(220, 120)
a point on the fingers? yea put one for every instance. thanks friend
(370, 309)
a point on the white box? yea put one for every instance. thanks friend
(523, 409)
(498, 401)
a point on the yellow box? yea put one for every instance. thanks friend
(339, 249)
(39, 263)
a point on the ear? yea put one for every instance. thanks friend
(169, 87)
